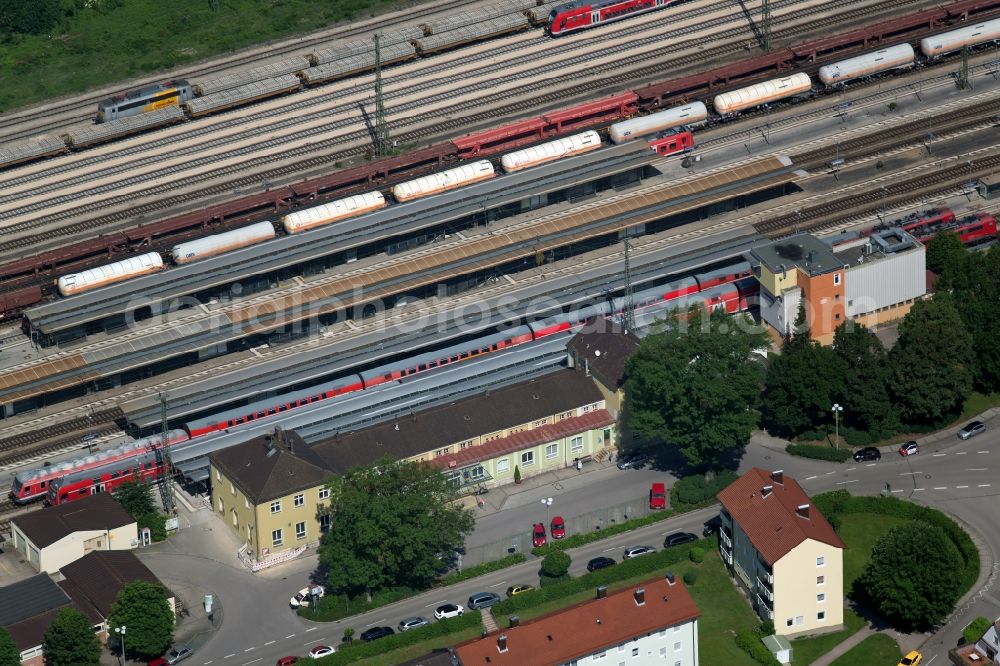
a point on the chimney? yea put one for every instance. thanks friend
(803, 511)
(766, 490)
(640, 596)
(502, 642)
(670, 578)
(602, 592)
(778, 476)
(514, 621)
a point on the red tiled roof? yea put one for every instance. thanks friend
(772, 523)
(585, 628)
(525, 439)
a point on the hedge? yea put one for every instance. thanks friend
(695, 491)
(818, 452)
(350, 652)
(840, 501)
(975, 629)
(748, 640)
(481, 569)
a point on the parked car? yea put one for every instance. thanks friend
(414, 622)
(657, 496)
(909, 449)
(287, 661)
(557, 528)
(448, 610)
(515, 590)
(375, 633)
(638, 551)
(538, 535)
(677, 538)
(483, 600)
(712, 526)
(912, 658)
(600, 563)
(303, 597)
(320, 651)
(178, 654)
(972, 430)
(866, 454)
(636, 461)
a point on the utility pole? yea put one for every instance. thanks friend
(162, 453)
(765, 26)
(381, 129)
(963, 73)
(628, 314)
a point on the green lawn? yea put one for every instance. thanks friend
(876, 650)
(860, 532)
(807, 650)
(979, 403)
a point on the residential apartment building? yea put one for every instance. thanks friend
(268, 490)
(655, 622)
(782, 552)
(600, 350)
(869, 280)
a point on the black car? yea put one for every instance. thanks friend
(600, 563)
(376, 632)
(677, 538)
(866, 454)
(635, 461)
(712, 526)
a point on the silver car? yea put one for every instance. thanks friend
(483, 600)
(971, 430)
(638, 551)
(412, 623)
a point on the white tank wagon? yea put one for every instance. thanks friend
(762, 93)
(92, 278)
(202, 248)
(973, 35)
(317, 216)
(553, 150)
(692, 115)
(899, 56)
(435, 183)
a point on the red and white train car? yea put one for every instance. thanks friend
(583, 14)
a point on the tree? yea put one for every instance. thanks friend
(946, 256)
(136, 496)
(802, 384)
(975, 289)
(932, 362)
(693, 383)
(865, 389)
(9, 654)
(390, 520)
(149, 622)
(70, 640)
(29, 18)
(914, 576)
(556, 564)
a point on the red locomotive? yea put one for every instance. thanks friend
(672, 142)
(581, 14)
(971, 229)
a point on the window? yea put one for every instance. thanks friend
(621, 648)
(677, 629)
(276, 538)
(836, 279)
(635, 652)
(541, 422)
(276, 506)
(528, 458)
(821, 580)
(789, 622)
(821, 561)
(324, 493)
(821, 597)
(324, 522)
(503, 465)
(300, 500)
(599, 656)
(677, 647)
(551, 451)
(478, 473)
(820, 616)
(442, 452)
(576, 444)
(300, 531)
(800, 619)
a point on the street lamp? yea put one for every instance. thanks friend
(548, 504)
(837, 409)
(121, 639)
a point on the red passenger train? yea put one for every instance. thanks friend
(581, 14)
(971, 229)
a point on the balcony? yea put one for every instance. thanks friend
(727, 555)
(763, 603)
(766, 576)
(725, 539)
(763, 591)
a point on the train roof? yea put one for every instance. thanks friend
(144, 91)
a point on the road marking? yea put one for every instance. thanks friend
(245, 663)
(961, 453)
(436, 603)
(811, 477)
(897, 491)
(961, 486)
(318, 640)
(932, 659)
(982, 451)
(908, 473)
(249, 649)
(375, 622)
(983, 485)
(829, 473)
(229, 655)
(208, 662)
(871, 464)
(975, 469)
(940, 487)
(311, 629)
(503, 582)
(844, 483)
(608, 550)
(851, 469)
(272, 642)
(938, 455)
(916, 489)
(290, 636)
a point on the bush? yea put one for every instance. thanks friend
(767, 628)
(357, 650)
(857, 437)
(818, 452)
(812, 436)
(556, 564)
(691, 577)
(697, 555)
(748, 640)
(547, 581)
(481, 569)
(976, 629)
(694, 491)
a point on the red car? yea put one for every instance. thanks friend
(558, 527)
(538, 535)
(287, 661)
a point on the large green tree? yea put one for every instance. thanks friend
(976, 286)
(694, 382)
(143, 609)
(914, 576)
(803, 382)
(9, 654)
(932, 362)
(390, 520)
(865, 390)
(29, 17)
(70, 641)
(946, 256)
(137, 498)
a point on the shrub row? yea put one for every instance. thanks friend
(350, 652)
(695, 491)
(840, 502)
(584, 538)
(975, 629)
(748, 640)
(336, 607)
(818, 452)
(481, 569)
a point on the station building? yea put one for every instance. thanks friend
(870, 280)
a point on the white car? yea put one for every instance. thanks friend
(304, 596)
(638, 551)
(321, 651)
(448, 610)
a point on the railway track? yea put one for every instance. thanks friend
(602, 77)
(30, 443)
